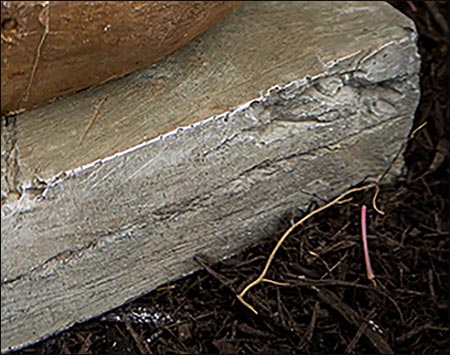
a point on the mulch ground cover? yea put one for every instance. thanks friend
(320, 300)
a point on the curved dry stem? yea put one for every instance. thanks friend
(374, 201)
(261, 278)
(277, 283)
(413, 133)
(246, 304)
(402, 147)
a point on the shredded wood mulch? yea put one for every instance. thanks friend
(321, 300)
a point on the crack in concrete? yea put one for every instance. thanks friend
(10, 158)
(47, 267)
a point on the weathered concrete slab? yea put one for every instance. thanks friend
(110, 192)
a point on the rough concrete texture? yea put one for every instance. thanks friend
(296, 100)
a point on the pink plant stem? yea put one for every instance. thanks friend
(412, 6)
(370, 274)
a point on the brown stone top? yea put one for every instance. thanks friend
(52, 48)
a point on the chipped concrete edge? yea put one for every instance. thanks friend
(18, 196)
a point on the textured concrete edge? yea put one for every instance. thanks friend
(365, 72)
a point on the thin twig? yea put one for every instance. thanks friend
(362, 328)
(374, 200)
(260, 278)
(141, 344)
(352, 317)
(87, 342)
(277, 283)
(402, 147)
(413, 133)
